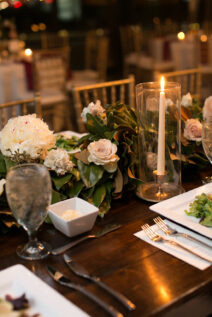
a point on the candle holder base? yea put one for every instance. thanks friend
(155, 192)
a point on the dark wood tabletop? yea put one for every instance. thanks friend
(158, 283)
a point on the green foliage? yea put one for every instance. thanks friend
(201, 208)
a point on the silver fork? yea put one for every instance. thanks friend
(158, 238)
(173, 232)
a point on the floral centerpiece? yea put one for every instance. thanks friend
(106, 163)
(102, 169)
(192, 114)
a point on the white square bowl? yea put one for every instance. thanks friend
(77, 225)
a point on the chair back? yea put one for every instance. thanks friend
(96, 53)
(190, 80)
(50, 69)
(131, 39)
(20, 107)
(54, 40)
(108, 93)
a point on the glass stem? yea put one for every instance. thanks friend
(32, 237)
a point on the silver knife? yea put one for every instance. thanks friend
(65, 281)
(100, 233)
(81, 271)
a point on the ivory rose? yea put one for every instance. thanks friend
(94, 109)
(103, 152)
(186, 100)
(27, 136)
(193, 130)
(58, 160)
(207, 108)
(151, 159)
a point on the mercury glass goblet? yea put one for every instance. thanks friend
(28, 189)
(207, 143)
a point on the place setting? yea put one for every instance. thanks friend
(105, 158)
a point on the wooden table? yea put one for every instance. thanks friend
(158, 283)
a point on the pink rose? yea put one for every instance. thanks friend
(207, 109)
(193, 130)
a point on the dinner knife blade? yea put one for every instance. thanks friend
(79, 270)
(65, 281)
(98, 234)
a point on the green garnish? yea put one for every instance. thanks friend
(68, 144)
(201, 208)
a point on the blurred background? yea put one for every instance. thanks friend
(52, 46)
(159, 22)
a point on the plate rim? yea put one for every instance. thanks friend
(195, 226)
(18, 272)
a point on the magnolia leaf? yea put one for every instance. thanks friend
(118, 182)
(48, 219)
(75, 189)
(59, 181)
(95, 125)
(109, 187)
(133, 179)
(109, 134)
(9, 163)
(56, 197)
(104, 207)
(90, 174)
(3, 169)
(76, 173)
(82, 156)
(99, 195)
(185, 113)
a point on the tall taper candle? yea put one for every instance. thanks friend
(161, 131)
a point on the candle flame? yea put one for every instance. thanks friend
(162, 83)
(28, 52)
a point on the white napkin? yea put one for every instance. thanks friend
(179, 252)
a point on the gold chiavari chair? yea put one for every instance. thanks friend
(54, 40)
(190, 80)
(50, 73)
(131, 37)
(108, 93)
(96, 61)
(20, 107)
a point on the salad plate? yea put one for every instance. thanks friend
(43, 299)
(67, 140)
(174, 209)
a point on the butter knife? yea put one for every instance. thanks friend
(100, 233)
(65, 281)
(81, 271)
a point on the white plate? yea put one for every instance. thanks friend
(173, 208)
(68, 135)
(43, 299)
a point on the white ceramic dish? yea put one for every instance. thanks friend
(174, 207)
(77, 225)
(43, 299)
(68, 135)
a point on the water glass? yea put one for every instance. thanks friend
(28, 190)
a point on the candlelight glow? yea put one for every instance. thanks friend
(203, 38)
(28, 52)
(162, 83)
(181, 35)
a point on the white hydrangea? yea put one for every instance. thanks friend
(94, 109)
(27, 135)
(58, 160)
(186, 100)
